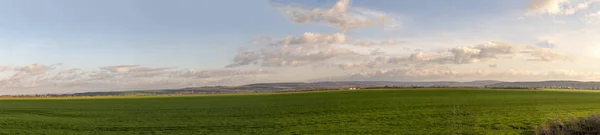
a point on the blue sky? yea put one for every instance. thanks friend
(69, 46)
(141, 30)
(136, 30)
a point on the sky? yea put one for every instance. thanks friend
(66, 46)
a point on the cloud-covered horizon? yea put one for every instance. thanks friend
(333, 40)
(53, 79)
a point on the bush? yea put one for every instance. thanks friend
(575, 126)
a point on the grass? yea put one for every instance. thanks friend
(407, 111)
(575, 126)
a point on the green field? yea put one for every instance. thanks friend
(416, 111)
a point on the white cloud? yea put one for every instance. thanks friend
(376, 52)
(488, 51)
(558, 7)
(549, 6)
(375, 43)
(544, 54)
(120, 68)
(580, 42)
(341, 16)
(219, 73)
(400, 74)
(446, 74)
(309, 49)
(34, 69)
(470, 54)
(546, 44)
(596, 14)
(348, 65)
(593, 18)
(314, 39)
(5, 68)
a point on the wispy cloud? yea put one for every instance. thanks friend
(558, 7)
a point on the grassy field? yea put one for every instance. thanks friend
(419, 111)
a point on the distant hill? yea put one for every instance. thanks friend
(292, 86)
(346, 84)
(549, 84)
(266, 87)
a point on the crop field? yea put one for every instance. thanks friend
(407, 111)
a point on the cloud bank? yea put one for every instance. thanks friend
(53, 79)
